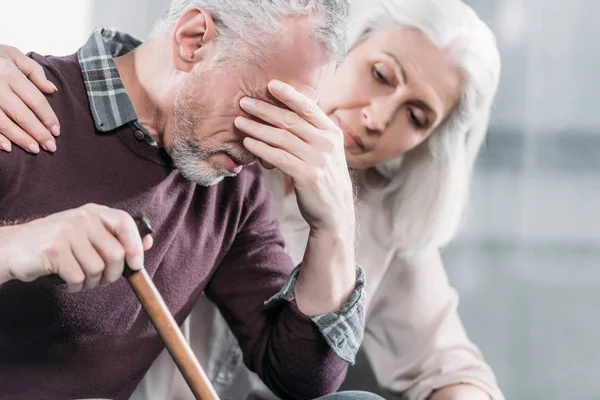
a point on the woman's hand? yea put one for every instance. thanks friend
(460, 391)
(26, 118)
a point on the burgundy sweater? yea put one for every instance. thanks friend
(222, 239)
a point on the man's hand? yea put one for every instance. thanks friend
(307, 146)
(26, 118)
(460, 392)
(86, 247)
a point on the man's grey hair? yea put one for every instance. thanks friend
(247, 26)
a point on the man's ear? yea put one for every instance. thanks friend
(193, 32)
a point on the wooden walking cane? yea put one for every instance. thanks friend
(165, 324)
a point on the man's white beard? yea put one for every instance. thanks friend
(190, 156)
(194, 167)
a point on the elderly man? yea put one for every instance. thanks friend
(153, 128)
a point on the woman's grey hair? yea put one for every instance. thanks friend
(246, 26)
(428, 186)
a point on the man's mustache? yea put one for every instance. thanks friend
(241, 156)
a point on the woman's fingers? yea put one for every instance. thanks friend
(19, 112)
(22, 82)
(5, 144)
(16, 135)
(32, 70)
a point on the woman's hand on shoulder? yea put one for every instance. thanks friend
(26, 118)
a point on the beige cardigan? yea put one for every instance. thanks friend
(414, 339)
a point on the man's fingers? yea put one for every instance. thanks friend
(279, 117)
(300, 104)
(123, 227)
(275, 137)
(266, 164)
(281, 159)
(147, 242)
(111, 251)
(90, 261)
(70, 271)
(31, 69)
(16, 135)
(20, 113)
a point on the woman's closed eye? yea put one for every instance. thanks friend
(416, 117)
(381, 75)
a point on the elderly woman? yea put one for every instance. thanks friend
(413, 99)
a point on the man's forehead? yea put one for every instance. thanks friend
(308, 82)
(298, 59)
(261, 91)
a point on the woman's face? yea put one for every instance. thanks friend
(388, 96)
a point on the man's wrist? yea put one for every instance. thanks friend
(327, 276)
(341, 234)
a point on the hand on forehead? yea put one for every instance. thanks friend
(297, 60)
(295, 57)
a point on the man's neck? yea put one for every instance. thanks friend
(145, 77)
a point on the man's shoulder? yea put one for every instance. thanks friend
(70, 101)
(60, 70)
(65, 73)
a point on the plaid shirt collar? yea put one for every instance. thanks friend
(109, 102)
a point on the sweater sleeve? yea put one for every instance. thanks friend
(282, 345)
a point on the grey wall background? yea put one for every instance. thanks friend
(527, 264)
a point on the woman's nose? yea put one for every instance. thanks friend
(378, 114)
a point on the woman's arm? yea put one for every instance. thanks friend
(26, 118)
(460, 391)
(414, 338)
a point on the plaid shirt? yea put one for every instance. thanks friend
(112, 108)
